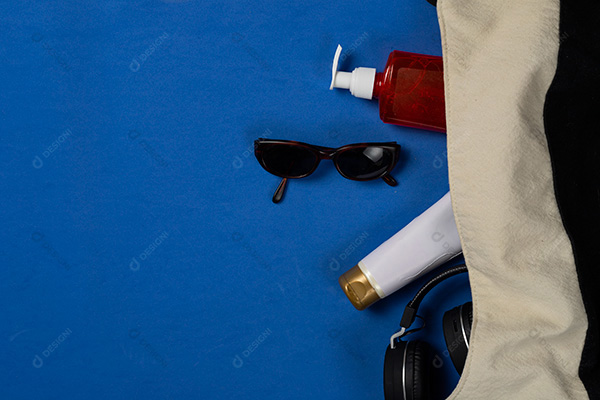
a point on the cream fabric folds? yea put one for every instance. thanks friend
(529, 319)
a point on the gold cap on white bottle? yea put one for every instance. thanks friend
(358, 289)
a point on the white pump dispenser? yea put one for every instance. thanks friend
(360, 82)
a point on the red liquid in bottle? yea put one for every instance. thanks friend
(411, 91)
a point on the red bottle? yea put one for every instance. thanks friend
(410, 89)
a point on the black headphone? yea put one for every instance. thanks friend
(406, 364)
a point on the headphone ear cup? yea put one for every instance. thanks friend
(406, 371)
(457, 332)
(393, 371)
(417, 371)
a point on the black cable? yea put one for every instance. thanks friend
(410, 312)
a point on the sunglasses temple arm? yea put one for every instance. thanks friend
(389, 180)
(280, 190)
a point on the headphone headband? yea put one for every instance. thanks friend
(406, 366)
(412, 307)
(410, 311)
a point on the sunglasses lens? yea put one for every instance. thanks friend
(289, 161)
(365, 162)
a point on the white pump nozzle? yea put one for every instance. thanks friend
(360, 82)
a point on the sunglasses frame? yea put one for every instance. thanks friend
(328, 153)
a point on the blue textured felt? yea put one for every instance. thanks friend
(141, 254)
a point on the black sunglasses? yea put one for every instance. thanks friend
(358, 162)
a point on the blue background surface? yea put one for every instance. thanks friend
(139, 234)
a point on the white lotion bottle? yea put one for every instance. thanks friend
(427, 242)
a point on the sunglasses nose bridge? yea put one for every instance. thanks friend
(326, 154)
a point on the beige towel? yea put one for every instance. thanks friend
(529, 319)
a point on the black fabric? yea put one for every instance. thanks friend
(571, 123)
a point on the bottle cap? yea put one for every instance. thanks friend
(358, 289)
(360, 82)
